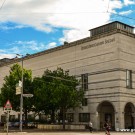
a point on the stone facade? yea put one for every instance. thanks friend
(108, 61)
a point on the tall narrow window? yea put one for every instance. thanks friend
(129, 79)
(84, 81)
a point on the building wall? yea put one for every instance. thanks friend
(105, 60)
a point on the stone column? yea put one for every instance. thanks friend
(119, 120)
(94, 116)
(95, 119)
(76, 116)
(119, 115)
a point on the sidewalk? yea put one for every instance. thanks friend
(63, 133)
(15, 131)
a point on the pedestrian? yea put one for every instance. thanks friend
(107, 128)
(90, 126)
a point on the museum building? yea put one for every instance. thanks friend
(105, 64)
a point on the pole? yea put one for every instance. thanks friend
(21, 99)
(7, 120)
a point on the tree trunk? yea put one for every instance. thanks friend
(63, 112)
(53, 116)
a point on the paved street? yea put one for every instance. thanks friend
(66, 133)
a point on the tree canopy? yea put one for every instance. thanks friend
(8, 90)
(56, 90)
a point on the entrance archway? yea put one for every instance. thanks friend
(129, 116)
(106, 112)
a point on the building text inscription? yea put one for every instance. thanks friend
(106, 41)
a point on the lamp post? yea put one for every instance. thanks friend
(21, 96)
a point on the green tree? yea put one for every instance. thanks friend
(68, 96)
(56, 90)
(44, 93)
(8, 90)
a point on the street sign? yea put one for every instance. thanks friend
(18, 90)
(8, 105)
(27, 95)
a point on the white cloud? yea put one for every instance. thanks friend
(2, 51)
(14, 50)
(6, 56)
(51, 45)
(115, 4)
(77, 15)
(129, 2)
(126, 12)
(32, 45)
(5, 27)
(74, 34)
(26, 47)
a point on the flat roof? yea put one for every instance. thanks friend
(112, 23)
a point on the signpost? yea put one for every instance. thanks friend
(7, 109)
(27, 95)
(8, 106)
(18, 88)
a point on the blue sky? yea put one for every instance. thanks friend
(31, 26)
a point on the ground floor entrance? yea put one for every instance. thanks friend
(106, 113)
(129, 118)
(119, 115)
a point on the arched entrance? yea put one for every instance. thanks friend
(106, 112)
(129, 116)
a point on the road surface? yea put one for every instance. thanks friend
(65, 133)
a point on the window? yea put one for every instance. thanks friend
(70, 117)
(84, 117)
(84, 81)
(129, 79)
(85, 102)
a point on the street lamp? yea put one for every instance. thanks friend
(21, 97)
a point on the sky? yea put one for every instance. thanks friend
(32, 26)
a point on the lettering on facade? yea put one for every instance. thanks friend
(106, 41)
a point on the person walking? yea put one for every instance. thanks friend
(107, 128)
(90, 126)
